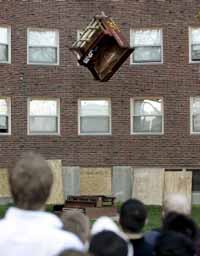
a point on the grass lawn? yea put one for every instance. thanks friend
(154, 213)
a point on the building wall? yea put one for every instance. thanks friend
(175, 80)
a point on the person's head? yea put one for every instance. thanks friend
(108, 243)
(73, 253)
(30, 181)
(133, 215)
(176, 202)
(174, 244)
(77, 223)
(180, 223)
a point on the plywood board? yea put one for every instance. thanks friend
(178, 182)
(4, 186)
(148, 185)
(57, 191)
(95, 181)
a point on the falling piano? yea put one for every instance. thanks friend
(101, 48)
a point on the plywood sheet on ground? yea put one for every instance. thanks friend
(4, 186)
(95, 181)
(148, 185)
(178, 182)
(57, 191)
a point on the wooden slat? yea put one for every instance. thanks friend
(95, 181)
(148, 185)
(178, 182)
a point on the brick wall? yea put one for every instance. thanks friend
(175, 80)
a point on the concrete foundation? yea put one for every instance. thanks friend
(71, 179)
(122, 179)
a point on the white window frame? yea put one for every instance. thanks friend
(191, 112)
(9, 116)
(28, 117)
(132, 30)
(110, 116)
(190, 44)
(132, 112)
(9, 45)
(58, 46)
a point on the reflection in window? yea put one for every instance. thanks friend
(147, 44)
(43, 116)
(94, 116)
(4, 115)
(43, 46)
(147, 116)
(195, 44)
(4, 44)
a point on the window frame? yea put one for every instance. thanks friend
(190, 44)
(191, 114)
(9, 45)
(132, 30)
(28, 117)
(110, 117)
(132, 112)
(9, 116)
(57, 46)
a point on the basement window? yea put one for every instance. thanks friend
(4, 116)
(148, 46)
(43, 47)
(94, 117)
(44, 116)
(147, 116)
(5, 42)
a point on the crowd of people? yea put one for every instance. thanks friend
(28, 230)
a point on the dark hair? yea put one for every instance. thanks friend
(180, 223)
(107, 243)
(174, 244)
(30, 181)
(77, 223)
(73, 253)
(133, 214)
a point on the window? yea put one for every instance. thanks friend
(195, 114)
(5, 45)
(194, 34)
(43, 47)
(94, 117)
(148, 46)
(43, 116)
(147, 116)
(4, 116)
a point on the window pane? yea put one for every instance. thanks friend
(43, 124)
(195, 180)
(196, 52)
(42, 38)
(196, 105)
(89, 124)
(42, 55)
(147, 54)
(147, 107)
(94, 108)
(3, 124)
(147, 38)
(196, 123)
(43, 107)
(3, 35)
(3, 52)
(3, 107)
(149, 124)
(195, 35)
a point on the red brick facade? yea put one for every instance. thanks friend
(175, 80)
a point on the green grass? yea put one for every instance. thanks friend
(154, 215)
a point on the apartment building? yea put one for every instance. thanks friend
(146, 117)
